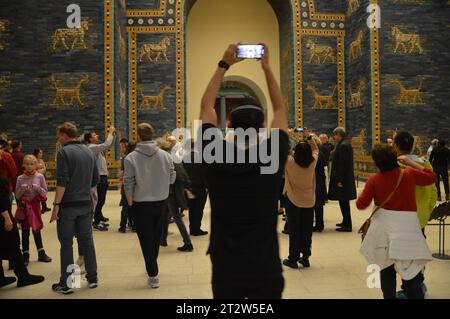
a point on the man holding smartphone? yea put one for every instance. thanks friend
(244, 203)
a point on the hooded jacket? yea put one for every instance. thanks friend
(149, 171)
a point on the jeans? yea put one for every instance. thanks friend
(412, 288)
(176, 214)
(102, 188)
(148, 217)
(300, 230)
(26, 240)
(76, 221)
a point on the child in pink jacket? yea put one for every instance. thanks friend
(31, 191)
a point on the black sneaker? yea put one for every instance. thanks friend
(29, 280)
(7, 281)
(104, 219)
(26, 258)
(100, 227)
(186, 248)
(290, 264)
(122, 230)
(163, 243)
(43, 257)
(199, 233)
(317, 229)
(45, 210)
(62, 289)
(344, 229)
(304, 261)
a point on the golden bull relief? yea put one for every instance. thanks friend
(154, 102)
(355, 50)
(358, 143)
(320, 53)
(356, 97)
(71, 93)
(407, 42)
(353, 5)
(322, 101)
(153, 51)
(75, 37)
(3, 31)
(410, 96)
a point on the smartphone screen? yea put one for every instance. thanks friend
(250, 51)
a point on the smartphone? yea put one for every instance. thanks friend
(250, 51)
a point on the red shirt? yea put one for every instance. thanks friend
(18, 159)
(379, 186)
(8, 169)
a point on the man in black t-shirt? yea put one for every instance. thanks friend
(243, 195)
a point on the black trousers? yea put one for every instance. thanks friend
(318, 214)
(148, 217)
(300, 228)
(196, 207)
(11, 243)
(346, 215)
(164, 224)
(126, 214)
(251, 287)
(444, 176)
(26, 240)
(102, 188)
(412, 288)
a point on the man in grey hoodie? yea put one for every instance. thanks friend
(149, 171)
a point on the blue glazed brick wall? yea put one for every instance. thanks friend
(430, 21)
(323, 77)
(358, 118)
(152, 77)
(121, 108)
(27, 112)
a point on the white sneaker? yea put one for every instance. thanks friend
(154, 282)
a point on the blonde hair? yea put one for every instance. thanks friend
(30, 158)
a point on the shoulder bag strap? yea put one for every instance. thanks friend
(390, 196)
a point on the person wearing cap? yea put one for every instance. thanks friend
(244, 196)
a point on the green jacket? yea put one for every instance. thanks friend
(426, 196)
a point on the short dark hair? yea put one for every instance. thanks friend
(404, 141)
(16, 143)
(441, 143)
(145, 131)
(248, 114)
(385, 157)
(3, 144)
(123, 140)
(87, 137)
(130, 147)
(303, 154)
(37, 151)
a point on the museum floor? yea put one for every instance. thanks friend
(337, 269)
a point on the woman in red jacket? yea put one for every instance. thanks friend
(394, 241)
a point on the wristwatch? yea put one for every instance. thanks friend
(224, 65)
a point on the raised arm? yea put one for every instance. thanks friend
(98, 148)
(207, 112)
(279, 110)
